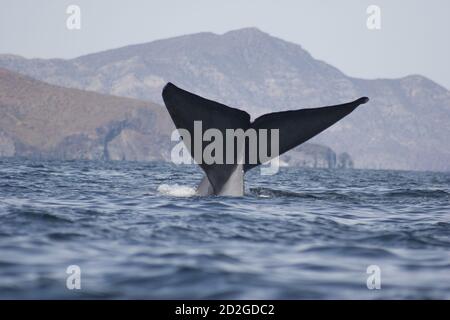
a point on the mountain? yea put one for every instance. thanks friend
(42, 120)
(39, 120)
(404, 126)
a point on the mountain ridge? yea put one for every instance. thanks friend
(402, 127)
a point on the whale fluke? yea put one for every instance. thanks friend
(295, 127)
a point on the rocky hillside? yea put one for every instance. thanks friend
(42, 120)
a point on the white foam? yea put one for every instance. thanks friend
(176, 190)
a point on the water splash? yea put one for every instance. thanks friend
(176, 190)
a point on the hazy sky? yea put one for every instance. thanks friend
(413, 39)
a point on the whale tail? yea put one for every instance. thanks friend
(226, 177)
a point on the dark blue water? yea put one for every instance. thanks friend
(135, 232)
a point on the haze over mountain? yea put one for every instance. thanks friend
(404, 126)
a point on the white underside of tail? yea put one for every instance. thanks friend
(233, 187)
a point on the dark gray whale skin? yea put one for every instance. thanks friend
(295, 127)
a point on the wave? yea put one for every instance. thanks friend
(420, 193)
(273, 193)
(400, 193)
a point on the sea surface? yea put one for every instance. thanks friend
(135, 230)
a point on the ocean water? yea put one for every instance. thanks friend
(137, 231)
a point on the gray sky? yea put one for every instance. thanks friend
(414, 35)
